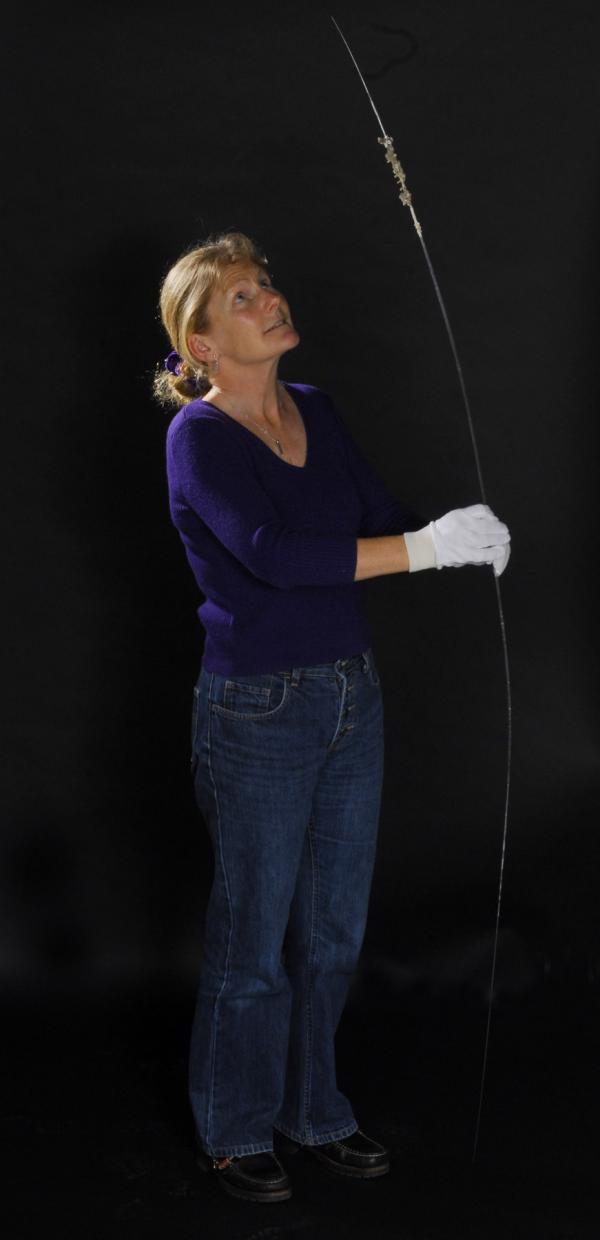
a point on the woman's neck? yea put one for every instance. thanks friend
(263, 402)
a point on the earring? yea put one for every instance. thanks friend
(214, 362)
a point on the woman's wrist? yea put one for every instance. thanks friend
(381, 554)
(420, 549)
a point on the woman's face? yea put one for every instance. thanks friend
(249, 319)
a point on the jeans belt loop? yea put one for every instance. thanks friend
(296, 673)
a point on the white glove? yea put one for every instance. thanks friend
(464, 536)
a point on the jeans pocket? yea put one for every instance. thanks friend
(252, 697)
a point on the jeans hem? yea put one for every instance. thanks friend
(238, 1151)
(323, 1139)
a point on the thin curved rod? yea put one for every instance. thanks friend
(405, 198)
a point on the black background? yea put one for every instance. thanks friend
(131, 133)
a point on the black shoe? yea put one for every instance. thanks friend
(355, 1155)
(254, 1177)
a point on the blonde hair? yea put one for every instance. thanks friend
(184, 296)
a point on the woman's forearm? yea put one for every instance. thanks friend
(377, 556)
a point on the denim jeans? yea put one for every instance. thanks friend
(288, 770)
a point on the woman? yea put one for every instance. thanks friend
(281, 517)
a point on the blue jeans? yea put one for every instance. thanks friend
(288, 770)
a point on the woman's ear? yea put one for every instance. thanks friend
(199, 347)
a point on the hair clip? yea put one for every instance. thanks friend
(173, 362)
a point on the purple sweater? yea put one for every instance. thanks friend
(273, 545)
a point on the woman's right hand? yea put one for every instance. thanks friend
(471, 535)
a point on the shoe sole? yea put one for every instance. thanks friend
(357, 1173)
(282, 1194)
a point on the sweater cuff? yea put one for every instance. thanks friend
(420, 548)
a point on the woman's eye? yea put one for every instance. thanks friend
(264, 281)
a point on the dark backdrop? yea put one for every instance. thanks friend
(132, 132)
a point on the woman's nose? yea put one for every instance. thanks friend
(273, 299)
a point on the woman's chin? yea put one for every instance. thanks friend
(290, 340)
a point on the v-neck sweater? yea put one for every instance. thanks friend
(272, 545)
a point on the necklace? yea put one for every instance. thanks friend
(265, 431)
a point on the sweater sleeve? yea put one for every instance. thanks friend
(382, 513)
(209, 472)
